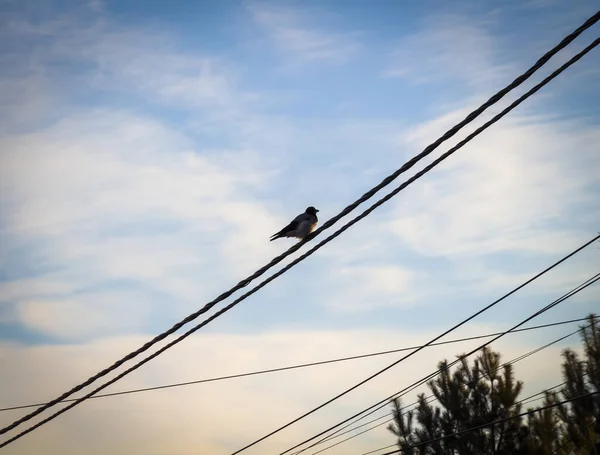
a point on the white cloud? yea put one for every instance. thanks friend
(449, 48)
(86, 316)
(368, 286)
(134, 60)
(109, 196)
(34, 287)
(510, 192)
(290, 31)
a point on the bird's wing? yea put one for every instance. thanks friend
(289, 228)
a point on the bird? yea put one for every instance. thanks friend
(300, 226)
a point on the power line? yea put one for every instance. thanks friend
(417, 384)
(524, 401)
(298, 366)
(387, 415)
(381, 448)
(337, 432)
(510, 362)
(431, 398)
(489, 424)
(569, 294)
(408, 165)
(330, 437)
(521, 402)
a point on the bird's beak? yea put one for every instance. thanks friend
(316, 210)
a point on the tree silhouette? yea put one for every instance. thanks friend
(470, 396)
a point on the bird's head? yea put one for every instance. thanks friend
(311, 210)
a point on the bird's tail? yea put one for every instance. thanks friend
(275, 237)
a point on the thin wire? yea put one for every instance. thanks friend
(292, 367)
(333, 436)
(434, 374)
(400, 360)
(408, 165)
(330, 436)
(381, 448)
(489, 424)
(511, 362)
(417, 384)
(389, 420)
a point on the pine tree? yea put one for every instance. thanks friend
(544, 429)
(469, 396)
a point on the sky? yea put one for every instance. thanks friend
(149, 149)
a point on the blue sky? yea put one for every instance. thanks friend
(149, 149)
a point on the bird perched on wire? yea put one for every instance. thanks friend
(300, 226)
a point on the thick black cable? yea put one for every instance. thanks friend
(293, 367)
(495, 422)
(435, 373)
(510, 362)
(408, 165)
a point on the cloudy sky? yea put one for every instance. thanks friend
(148, 149)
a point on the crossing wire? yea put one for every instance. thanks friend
(495, 422)
(428, 399)
(298, 366)
(408, 165)
(530, 399)
(379, 404)
(521, 402)
(511, 362)
(420, 382)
